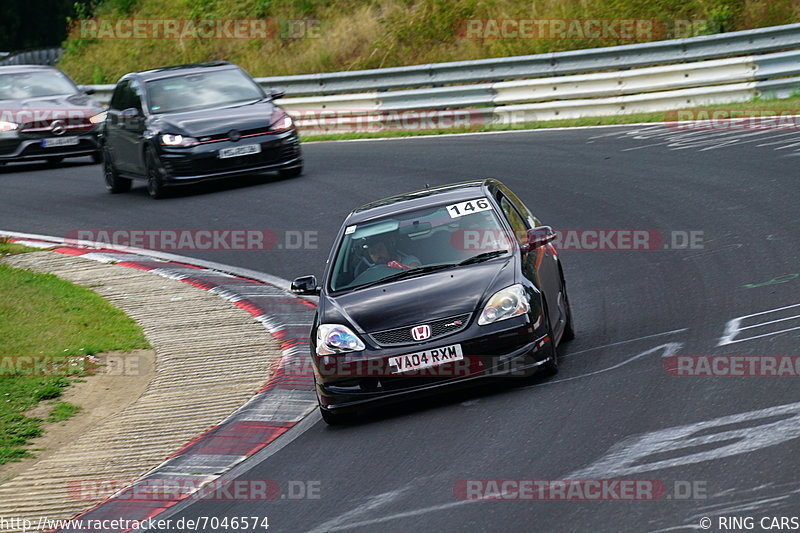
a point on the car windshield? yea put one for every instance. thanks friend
(21, 85)
(201, 90)
(417, 241)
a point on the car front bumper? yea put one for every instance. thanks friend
(517, 347)
(279, 151)
(25, 147)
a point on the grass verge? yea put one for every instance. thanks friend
(310, 36)
(49, 329)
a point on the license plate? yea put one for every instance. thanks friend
(52, 142)
(236, 151)
(426, 359)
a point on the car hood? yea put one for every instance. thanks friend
(217, 121)
(415, 300)
(50, 107)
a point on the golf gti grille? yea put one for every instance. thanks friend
(439, 328)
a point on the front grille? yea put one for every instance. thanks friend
(272, 153)
(44, 128)
(216, 137)
(439, 328)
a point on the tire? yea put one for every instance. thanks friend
(569, 327)
(155, 181)
(291, 172)
(550, 368)
(97, 157)
(114, 183)
(335, 419)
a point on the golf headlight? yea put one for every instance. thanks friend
(8, 126)
(506, 303)
(169, 139)
(98, 118)
(335, 338)
(280, 120)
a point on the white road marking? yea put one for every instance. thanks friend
(395, 516)
(760, 431)
(734, 326)
(625, 342)
(341, 521)
(675, 138)
(670, 348)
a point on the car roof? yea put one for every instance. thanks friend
(13, 69)
(190, 68)
(410, 201)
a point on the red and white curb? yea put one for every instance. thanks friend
(277, 407)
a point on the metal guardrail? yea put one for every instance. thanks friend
(551, 64)
(42, 56)
(647, 77)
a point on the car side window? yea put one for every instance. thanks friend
(521, 207)
(118, 98)
(135, 96)
(514, 219)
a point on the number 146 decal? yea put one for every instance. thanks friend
(470, 206)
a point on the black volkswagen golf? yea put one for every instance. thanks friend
(44, 115)
(188, 123)
(434, 288)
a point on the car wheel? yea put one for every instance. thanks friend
(114, 183)
(291, 172)
(336, 419)
(569, 327)
(97, 157)
(155, 181)
(550, 368)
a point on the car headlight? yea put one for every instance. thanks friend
(280, 121)
(98, 118)
(335, 338)
(169, 139)
(8, 126)
(505, 303)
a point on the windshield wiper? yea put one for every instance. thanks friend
(485, 256)
(407, 274)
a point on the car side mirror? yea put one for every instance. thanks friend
(85, 89)
(277, 92)
(538, 237)
(305, 285)
(129, 113)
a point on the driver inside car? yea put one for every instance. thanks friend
(381, 250)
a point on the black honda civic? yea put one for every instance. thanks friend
(187, 123)
(434, 288)
(45, 116)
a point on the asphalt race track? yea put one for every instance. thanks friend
(719, 446)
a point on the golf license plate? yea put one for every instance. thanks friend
(237, 151)
(426, 359)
